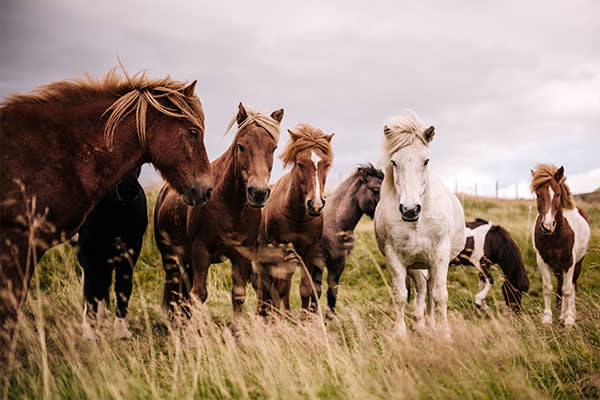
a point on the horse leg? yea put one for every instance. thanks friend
(547, 282)
(265, 282)
(439, 276)
(420, 291)
(315, 266)
(97, 277)
(305, 290)
(200, 264)
(241, 269)
(486, 282)
(399, 290)
(568, 291)
(334, 272)
(123, 286)
(177, 281)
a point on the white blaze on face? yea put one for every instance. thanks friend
(548, 221)
(317, 200)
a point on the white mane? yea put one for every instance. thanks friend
(402, 131)
(263, 120)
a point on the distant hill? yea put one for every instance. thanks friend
(592, 197)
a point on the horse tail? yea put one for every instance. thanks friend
(506, 253)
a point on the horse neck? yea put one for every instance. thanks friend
(228, 183)
(294, 199)
(107, 167)
(344, 205)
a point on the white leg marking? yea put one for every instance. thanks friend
(547, 282)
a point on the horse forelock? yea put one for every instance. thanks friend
(261, 119)
(543, 174)
(308, 137)
(402, 131)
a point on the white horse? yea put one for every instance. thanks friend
(419, 223)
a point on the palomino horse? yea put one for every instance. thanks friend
(293, 216)
(356, 195)
(60, 157)
(110, 240)
(489, 244)
(561, 234)
(191, 239)
(419, 223)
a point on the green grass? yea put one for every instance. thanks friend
(492, 355)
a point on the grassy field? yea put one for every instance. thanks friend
(492, 355)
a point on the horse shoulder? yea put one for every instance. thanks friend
(581, 230)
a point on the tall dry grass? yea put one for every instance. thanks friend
(492, 355)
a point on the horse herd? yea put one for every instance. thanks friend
(71, 157)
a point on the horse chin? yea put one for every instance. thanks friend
(256, 205)
(314, 213)
(413, 219)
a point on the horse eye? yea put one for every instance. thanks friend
(327, 166)
(240, 147)
(194, 132)
(274, 148)
(301, 166)
(557, 194)
(375, 190)
(426, 162)
(393, 163)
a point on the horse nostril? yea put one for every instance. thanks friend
(418, 208)
(268, 192)
(309, 203)
(208, 193)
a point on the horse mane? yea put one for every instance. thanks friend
(544, 173)
(133, 93)
(348, 180)
(308, 137)
(402, 131)
(370, 170)
(261, 119)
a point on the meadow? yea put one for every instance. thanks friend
(494, 354)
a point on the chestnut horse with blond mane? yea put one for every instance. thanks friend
(191, 239)
(66, 145)
(293, 216)
(561, 234)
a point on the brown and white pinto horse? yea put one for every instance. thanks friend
(489, 244)
(293, 215)
(66, 145)
(561, 234)
(191, 239)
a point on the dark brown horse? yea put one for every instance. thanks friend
(65, 146)
(487, 244)
(191, 239)
(293, 215)
(561, 236)
(356, 195)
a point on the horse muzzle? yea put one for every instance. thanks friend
(257, 196)
(197, 195)
(410, 214)
(314, 211)
(547, 231)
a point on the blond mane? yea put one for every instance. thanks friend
(261, 119)
(402, 131)
(132, 93)
(544, 173)
(308, 137)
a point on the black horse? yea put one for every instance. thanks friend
(110, 240)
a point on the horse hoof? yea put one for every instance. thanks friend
(569, 321)
(88, 333)
(400, 331)
(547, 320)
(121, 329)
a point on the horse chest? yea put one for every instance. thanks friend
(414, 246)
(556, 250)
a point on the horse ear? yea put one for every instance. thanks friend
(293, 135)
(429, 133)
(188, 91)
(558, 175)
(329, 137)
(532, 172)
(362, 174)
(242, 114)
(387, 131)
(277, 115)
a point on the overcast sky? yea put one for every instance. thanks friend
(506, 84)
